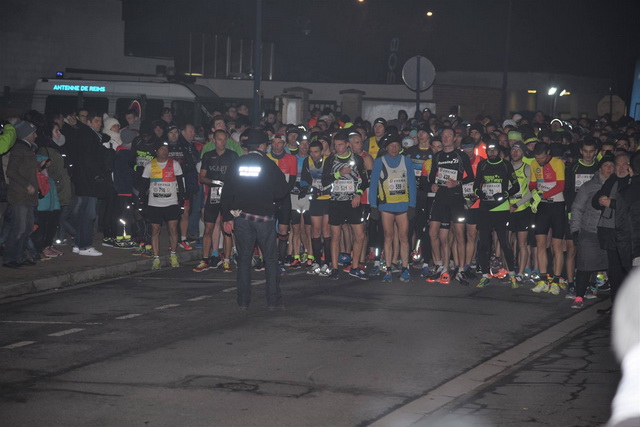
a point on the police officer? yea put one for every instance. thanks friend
(252, 184)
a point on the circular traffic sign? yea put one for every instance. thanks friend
(418, 73)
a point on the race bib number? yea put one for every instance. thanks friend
(581, 178)
(214, 195)
(397, 186)
(467, 189)
(142, 161)
(492, 188)
(344, 186)
(162, 190)
(317, 183)
(417, 172)
(445, 174)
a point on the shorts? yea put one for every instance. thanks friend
(448, 207)
(319, 207)
(489, 221)
(550, 216)
(212, 212)
(472, 216)
(299, 209)
(342, 213)
(521, 220)
(567, 228)
(158, 215)
(283, 211)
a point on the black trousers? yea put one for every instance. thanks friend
(620, 264)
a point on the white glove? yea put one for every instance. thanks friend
(636, 261)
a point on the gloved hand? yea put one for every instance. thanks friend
(375, 214)
(501, 197)
(575, 237)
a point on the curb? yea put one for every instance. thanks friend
(90, 275)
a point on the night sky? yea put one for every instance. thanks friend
(348, 41)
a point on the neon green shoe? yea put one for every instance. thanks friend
(174, 261)
(542, 286)
(514, 282)
(554, 289)
(484, 281)
(156, 264)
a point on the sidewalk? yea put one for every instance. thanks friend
(71, 269)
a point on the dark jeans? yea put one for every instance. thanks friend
(21, 228)
(66, 224)
(85, 212)
(247, 234)
(109, 213)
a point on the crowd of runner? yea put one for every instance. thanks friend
(530, 200)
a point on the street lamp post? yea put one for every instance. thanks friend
(257, 71)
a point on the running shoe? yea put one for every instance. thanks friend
(500, 273)
(405, 276)
(388, 277)
(483, 283)
(109, 242)
(514, 282)
(296, 263)
(310, 262)
(55, 250)
(562, 284)
(49, 253)
(375, 271)
(155, 265)
(259, 265)
(344, 258)
(542, 286)
(578, 303)
(461, 278)
(425, 271)
(359, 273)
(554, 288)
(185, 245)
(396, 267)
(325, 271)
(520, 279)
(226, 267)
(591, 293)
(288, 260)
(283, 269)
(174, 261)
(435, 276)
(469, 274)
(571, 293)
(335, 274)
(138, 250)
(202, 266)
(445, 279)
(315, 269)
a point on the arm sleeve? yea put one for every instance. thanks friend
(526, 197)
(375, 178)
(478, 179)
(327, 176)
(305, 176)
(364, 176)
(466, 165)
(559, 187)
(434, 168)
(280, 185)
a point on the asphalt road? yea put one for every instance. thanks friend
(171, 348)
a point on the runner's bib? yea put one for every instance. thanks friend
(214, 195)
(467, 190)
(344, 187)
(445, 174)
(581, 178)
(490, 189)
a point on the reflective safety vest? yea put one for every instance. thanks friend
(393, 186)
(524, 188)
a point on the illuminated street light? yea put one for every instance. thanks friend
(565, 92)
(552, 91)
(429, 14)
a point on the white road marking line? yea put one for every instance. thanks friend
(164, 307)
(36, 322)
(200, 298)
(128, 316)
(18, 344)
(229, 289)
(66, 332)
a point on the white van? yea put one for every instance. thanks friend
(191, 103)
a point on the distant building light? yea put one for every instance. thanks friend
(59, 75)
(429, 14)
(193, 74)
(532, 91)
(565, 93)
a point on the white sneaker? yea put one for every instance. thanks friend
(325, 271)
(89, 252)
(75, 249)
(315, 269)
